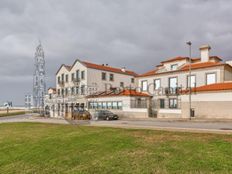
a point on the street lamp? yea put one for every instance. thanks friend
(189, 82)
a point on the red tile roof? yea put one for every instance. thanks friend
(149, 73)
(108, 68)
(212, 87)
(195, 65)
(116, 93)
(99, 67)
(175, 59)
(201, 65)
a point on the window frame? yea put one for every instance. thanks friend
(195, 84)
(206, 80)
(163, 103)
(103, 76)
(82, 75)
(66, 78)
(143, 81)
(174, 65)
(169, 103)
(159, 79)
(111, 77)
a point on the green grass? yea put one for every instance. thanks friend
(12, 113)
(50, 148)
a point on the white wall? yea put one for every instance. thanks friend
(95, 76)
(182, 77)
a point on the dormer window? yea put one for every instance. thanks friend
(174, 67)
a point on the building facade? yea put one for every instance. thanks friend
(161, 93)
(167, 81)
(74, 83)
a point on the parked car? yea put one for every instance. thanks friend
(104, 115)
(81, 114)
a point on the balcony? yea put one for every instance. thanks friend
(172, 91)
(61, 83)
(76, 81)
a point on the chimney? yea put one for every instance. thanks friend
(204, 49)
(123, 69)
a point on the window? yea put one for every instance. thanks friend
(121, 84)
(82, 74)
(73, 77)
(82, 89)
(109, 105)
(172, 103)
(119, 105)
(173, 82)
(162, 103)
(66, 91)
(58, 79)
(111, 77)
(77, 90)
(62, 77)
(72, 90)
(99, 105)
(174, 67)
(132, 80)
(210, 78)
(114, 105)
(157, 84)
(144, 85)
(103, 105)
(193, 81)
(77, 74)
(66, 77)
(103, 76)
(58, 91)
(62, 91)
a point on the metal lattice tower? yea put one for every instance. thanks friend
(39, 85)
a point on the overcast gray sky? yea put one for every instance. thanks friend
(132, 33)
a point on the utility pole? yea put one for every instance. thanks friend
(189, 81)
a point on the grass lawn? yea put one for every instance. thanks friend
(50, 148)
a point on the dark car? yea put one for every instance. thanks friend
(104, 115)
(81, 114)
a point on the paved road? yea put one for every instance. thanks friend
(173, 125)
(193, 126)
(15, 118)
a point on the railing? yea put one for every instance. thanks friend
(61, 83)
(173, 91)
(76, 81)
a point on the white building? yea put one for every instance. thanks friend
(162, 92)
(74, 83)
(167, 80)
(28, 101)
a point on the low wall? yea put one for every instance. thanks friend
(209, 109)
(169, 113)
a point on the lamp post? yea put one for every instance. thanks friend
(189, 82)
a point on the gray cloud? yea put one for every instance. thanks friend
(132, 33)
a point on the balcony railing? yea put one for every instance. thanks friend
(76, 81)
(173, 91)
(61, 83)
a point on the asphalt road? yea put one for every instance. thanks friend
(172, 125)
